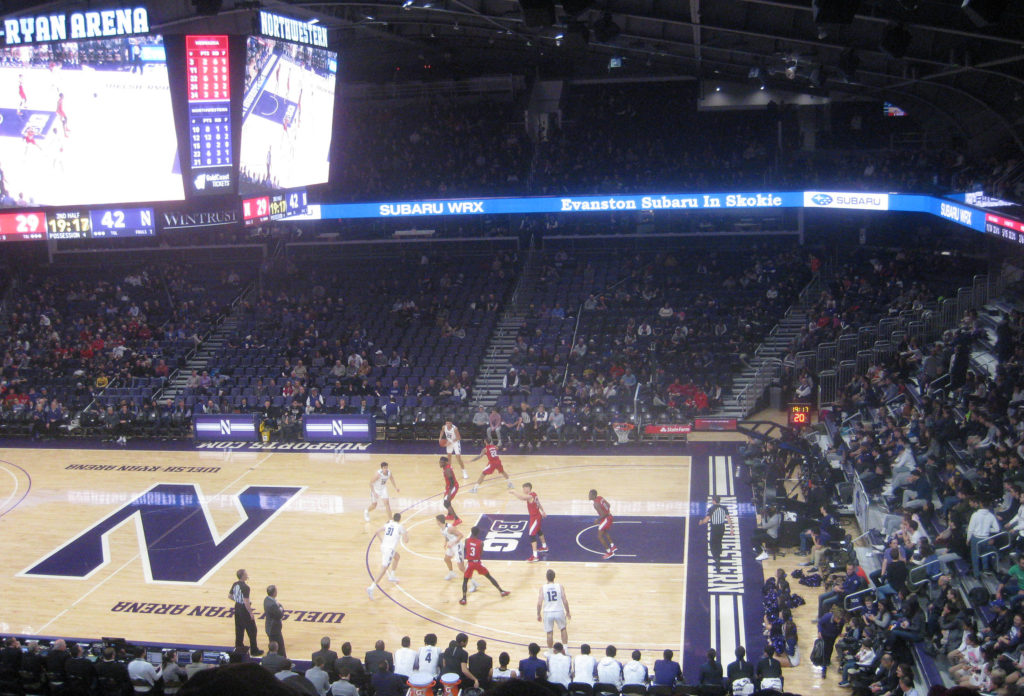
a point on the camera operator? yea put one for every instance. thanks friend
(767, 531)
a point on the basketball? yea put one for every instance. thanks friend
(442, 442)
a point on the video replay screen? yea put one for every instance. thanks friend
(87, 122)
(287, 115)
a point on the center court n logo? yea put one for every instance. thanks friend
(177, 539)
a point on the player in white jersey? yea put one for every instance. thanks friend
(453, 549)
(452, 442)
(379, 490)
(429, 659)
(553, 608)
(559, 666)
(584, 666)
(390, 535)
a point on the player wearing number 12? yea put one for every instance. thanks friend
(474, 554)
(553, 608)
(390, 535)
(537, 541)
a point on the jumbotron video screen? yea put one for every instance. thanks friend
(287, 115)
(87, 122)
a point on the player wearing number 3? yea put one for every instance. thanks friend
(390, 534)
(553, 608)
(451, 440)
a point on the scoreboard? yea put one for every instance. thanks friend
(208, 79)
(1006, 227)
(256, 211)
(799, 416)
(76, 223)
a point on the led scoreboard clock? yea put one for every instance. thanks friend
(262, 209)
(76, 223)
(209, 112)
(799, 416)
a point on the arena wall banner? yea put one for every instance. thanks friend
(339, 428)
(964, 215)
(226, 427)
(667, 429)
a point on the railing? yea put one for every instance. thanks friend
(853, 353)
(214, 327)
(769, 371)
(996, 550)
(576, 329)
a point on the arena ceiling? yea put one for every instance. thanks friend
(930, 57)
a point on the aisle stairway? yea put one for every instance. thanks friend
(748, 387)
(487, 385)
(206, 351)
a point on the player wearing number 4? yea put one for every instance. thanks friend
(390, 535)
(379, 490)
(493, 463)
(451, 440)
(553, 608)
(604, 523)
(474, 554)
(537, 513)
(453, 549)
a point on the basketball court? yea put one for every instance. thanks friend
(144, 544)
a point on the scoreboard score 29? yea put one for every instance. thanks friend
(274, 207)
(799, 416)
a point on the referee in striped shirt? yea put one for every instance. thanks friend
(717, 517)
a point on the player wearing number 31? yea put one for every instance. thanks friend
(390, 535)
(553, 608)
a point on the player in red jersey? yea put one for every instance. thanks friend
(30, 140)
(451, 489)
(22, 97)
(604, 523)
(493, 463)
(474, 554)
(61, 114)
(537, 513)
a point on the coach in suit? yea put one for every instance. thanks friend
(357, 675)
(274, 617)
(274, 661)
(330, 657)
(376, 656)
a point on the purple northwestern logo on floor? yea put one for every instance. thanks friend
(574, 538)
(177, 540)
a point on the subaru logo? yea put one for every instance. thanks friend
(821, 199)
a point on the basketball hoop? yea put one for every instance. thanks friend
(622, 431)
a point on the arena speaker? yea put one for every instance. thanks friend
(895, 41)
(984, 12)
(538, 13)
(834, 11)
(574, 8)
(207, 8)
